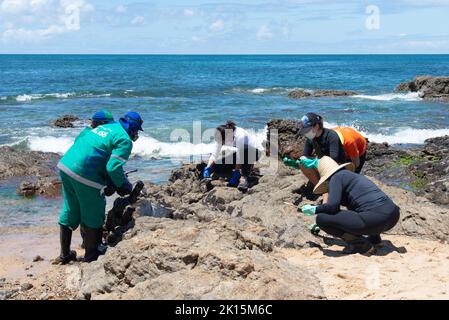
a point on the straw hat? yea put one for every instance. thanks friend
(326, 168)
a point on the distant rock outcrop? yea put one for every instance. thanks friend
(301, 93)
(66, 121)
(429, 87)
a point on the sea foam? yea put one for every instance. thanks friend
(410, 96)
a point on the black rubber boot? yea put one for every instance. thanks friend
(357, 244)
(65, 238)
(92, 240)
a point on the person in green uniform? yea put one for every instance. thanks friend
(97, 154)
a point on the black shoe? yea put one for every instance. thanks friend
(376, 240)
(243, 185)
(92, 239)
(359, 245)
(65, 238)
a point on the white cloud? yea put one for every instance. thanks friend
(121, 9)
(189, 12)
(138, 20)
(264, 33)
(217, 25)
(31, 35)
(38, 20)
(15, 7)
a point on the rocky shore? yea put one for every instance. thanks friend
(202, 240)
(429, 87)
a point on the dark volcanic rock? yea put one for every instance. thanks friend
(429, 87)
(19, 163)
(290, 144)
(66, 121)
(301, 93)
(38, 169)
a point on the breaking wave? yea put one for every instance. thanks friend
(411, 96)
(145, 146)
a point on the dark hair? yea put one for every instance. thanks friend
(315, 119)
(230, 125)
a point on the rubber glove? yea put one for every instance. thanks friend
(309, 163)
(291, 163)
(207, 172)
(235, 178)
(308, 210)
(125, 188)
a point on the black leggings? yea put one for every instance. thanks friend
(249, 155)
(372, 222)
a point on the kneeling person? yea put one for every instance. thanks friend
(248, 152)
(370, 211)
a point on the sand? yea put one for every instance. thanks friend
(405, 268)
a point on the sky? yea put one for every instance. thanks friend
(224, 27)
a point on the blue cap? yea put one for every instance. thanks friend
(103, 115)
(132, 121)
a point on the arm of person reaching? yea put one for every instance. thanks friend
(353, 153)
(335, 194)
(308, 149)
(212, 159)
(120, 154)
(334, 146)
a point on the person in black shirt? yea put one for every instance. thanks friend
(320, 142)
(370, 211)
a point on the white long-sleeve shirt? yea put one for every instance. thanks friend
(241, 138)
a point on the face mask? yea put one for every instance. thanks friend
(310, 135)
(134, 136)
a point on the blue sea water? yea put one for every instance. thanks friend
(173, 91)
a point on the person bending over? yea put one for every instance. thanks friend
(96, 154)
(370, 211)
(354, 145)
(247, 152)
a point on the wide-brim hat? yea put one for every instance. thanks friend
(326, 168)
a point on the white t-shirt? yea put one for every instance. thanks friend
(241, 138)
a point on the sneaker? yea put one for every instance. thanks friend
(361, 245)
(243, 185)
(376, 240)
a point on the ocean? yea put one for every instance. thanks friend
(171, 92)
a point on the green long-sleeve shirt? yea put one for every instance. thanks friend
(97, 153)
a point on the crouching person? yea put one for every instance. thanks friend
(370, 211)
(247, 152)
(96, 154)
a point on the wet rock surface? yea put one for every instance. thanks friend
(194, 243)
(423, 170)
(37, 169)
(301, 93)
(19, 163)
(429, 87)
(66, 121)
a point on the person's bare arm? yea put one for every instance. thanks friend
(356, 161)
